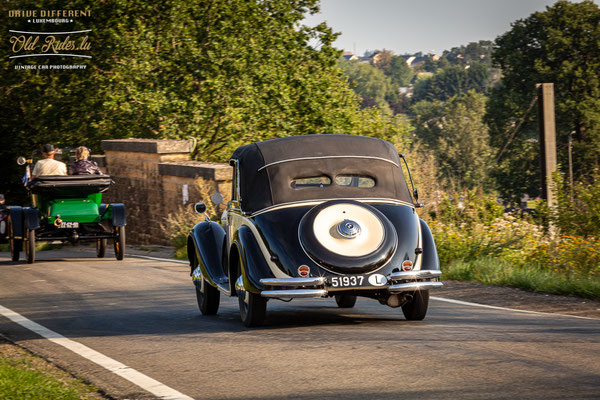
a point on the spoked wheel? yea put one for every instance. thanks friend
(416, 309)
(100, 248)
(15, 245)
(30, 246)
(345, 300)
(253, 307)
(207, 296)
(119, 242)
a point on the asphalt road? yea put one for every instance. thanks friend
(143, 313)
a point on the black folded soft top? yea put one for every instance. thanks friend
(266, 169)
(69, 185)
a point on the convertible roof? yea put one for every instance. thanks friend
(68, 186)
(266, 169)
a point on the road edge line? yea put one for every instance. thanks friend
(466, 303)
(159, 259)
(139, 379)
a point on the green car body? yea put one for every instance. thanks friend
(67, 208)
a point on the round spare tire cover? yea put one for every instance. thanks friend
(347, 236)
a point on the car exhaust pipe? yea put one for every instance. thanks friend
(398, 300)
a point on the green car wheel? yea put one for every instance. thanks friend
(15, 245)
(119, 242)
(100, 248)
(30, 246)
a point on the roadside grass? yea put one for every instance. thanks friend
(495, 271)
(25, 376)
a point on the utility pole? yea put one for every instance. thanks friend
(547, 139)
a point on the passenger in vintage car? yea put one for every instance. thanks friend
(316, 216)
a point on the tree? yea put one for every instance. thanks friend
(560, 45)
(226, 72)
(474, 52)
(456, 134)
(374, 87)
(399, 72)
(452, 80)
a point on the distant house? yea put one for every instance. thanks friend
(414, 60)
(349, 56)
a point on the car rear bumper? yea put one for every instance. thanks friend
(313, 287)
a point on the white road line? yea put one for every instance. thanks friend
(466, 303)
(159, 259)
(114, 366)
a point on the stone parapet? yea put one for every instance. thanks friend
(154, 178)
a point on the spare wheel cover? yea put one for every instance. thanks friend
(347, 236)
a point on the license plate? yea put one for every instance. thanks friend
(69, 225)
(349, 281)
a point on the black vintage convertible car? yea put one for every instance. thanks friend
(316, 216)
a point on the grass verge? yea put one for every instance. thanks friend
(493, 271)
(25, 376)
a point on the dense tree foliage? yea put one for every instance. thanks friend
(395, 67)
(451, 81)
(226, 72)
(560, 45)
(371, 84)
(455, 132)
(474, 52)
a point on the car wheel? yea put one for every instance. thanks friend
(208, 298)
(119, 242)
(253, 307)
(15, 245)
(416, 309)
(30, 246)
(345, 300)
(100, 248)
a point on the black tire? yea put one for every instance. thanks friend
(208, 298)
(119, 242)
(100, 248)
(15, 245)
(416, 309)
(345, 300)
(30, 246)
(253, 309)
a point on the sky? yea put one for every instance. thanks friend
(429, 26)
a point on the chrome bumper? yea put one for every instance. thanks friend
(397, 282)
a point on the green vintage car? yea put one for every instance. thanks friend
(66, 209)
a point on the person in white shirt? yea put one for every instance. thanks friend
(48, 166)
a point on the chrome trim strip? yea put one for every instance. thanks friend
(297, 293)
(406, 287)
(319, 201)
(294, 281)
(326, 157)
(417, 274)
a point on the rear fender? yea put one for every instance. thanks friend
(118, 214)
(254, 266)
(430, 260)
(31, 217)
(206, 240)
(16, 219)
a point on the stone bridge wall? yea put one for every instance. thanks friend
(150, 179)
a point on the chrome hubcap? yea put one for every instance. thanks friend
(348, 229)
